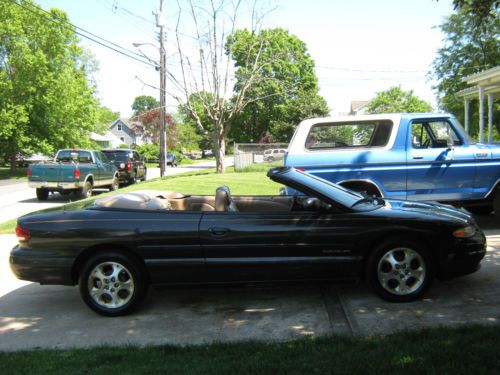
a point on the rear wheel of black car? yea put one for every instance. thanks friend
(42, 194)
(400, 271)
(112, 284)
(132, 180)
(496, 204)
(86, 190)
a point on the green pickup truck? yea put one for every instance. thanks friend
(73, 171)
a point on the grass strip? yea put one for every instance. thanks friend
(464, 350)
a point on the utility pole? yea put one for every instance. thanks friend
(163, 124)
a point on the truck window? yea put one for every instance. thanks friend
(346, 135)
(433, 134)
(84, 157)
(67, 156)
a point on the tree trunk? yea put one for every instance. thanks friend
(220, 150)
(13, 164)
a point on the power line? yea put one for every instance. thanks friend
(368, 70)
(62, 23)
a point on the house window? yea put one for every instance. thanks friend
(122, 139)
(119, 127)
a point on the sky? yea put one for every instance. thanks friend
(360, 47)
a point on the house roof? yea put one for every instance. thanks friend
(356, 105)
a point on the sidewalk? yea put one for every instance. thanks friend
(34, 316)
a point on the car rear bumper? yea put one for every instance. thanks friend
(32, 265)
(54, 185)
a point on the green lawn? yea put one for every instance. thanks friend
(467, 350)
(5, 173)
(201, 183)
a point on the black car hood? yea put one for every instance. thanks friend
(431, 209)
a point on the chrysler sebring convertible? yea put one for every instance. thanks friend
(114, 247)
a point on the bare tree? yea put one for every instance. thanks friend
(209, 78)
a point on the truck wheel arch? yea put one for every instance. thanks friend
(367, 186)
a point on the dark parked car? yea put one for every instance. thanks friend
(116, 246)
(130, 165)
(172, 160)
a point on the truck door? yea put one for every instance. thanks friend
(440, 166)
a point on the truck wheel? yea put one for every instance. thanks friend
(42, 194)
(496, 204)
(480, 210)
(112, 283)
(86, 190)
(115, 185)
(399, 271)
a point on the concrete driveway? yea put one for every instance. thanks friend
(34, 316)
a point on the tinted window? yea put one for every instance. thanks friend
(117, 155)
(346, 135)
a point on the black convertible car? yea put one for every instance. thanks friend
(114, 247)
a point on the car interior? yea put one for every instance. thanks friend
(221, 201)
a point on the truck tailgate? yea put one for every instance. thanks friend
(52, 172)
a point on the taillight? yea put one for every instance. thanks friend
(22, 233)
(77, 173)
(129, 167)
(301, 169)
(29, 170)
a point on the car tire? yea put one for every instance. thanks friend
(496, 204)
(133, 180)
(112, 283)
(400, 270)
(145, 175)
(115, 185)
(42, 194)
(85, 191)
(480, 210)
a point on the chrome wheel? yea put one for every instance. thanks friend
(401, 271)
(110, 285)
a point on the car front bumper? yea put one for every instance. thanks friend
(464, 257)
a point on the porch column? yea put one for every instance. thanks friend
(481, 114)
(490, 118)
(467, 106)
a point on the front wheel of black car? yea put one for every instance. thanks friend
(112, 284)
(400, 271)
(42, 194)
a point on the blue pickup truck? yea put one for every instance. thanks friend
(422, 157)
(73, 171)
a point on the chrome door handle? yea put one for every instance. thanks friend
(218, 232)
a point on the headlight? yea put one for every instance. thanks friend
(465, 232)
(122, 165)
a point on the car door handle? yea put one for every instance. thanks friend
(418, 157)
(218, 232)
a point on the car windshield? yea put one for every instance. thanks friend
(336, 193)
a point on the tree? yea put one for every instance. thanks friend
(480, 10)
(210, 73)
(144, 103)
(286, 89)
(150, 127)
(46, 100)
(466, 50)
(397, 100)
